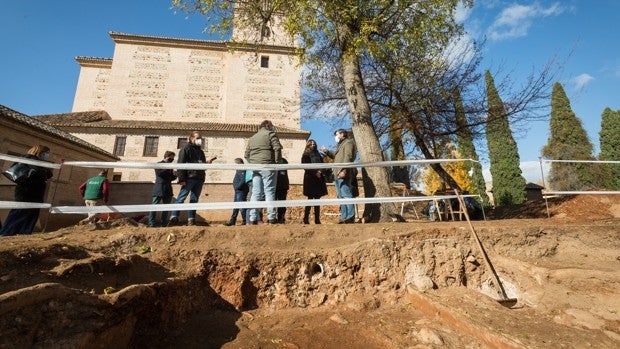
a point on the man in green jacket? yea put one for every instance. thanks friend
(95, 190)
(264, 148)
(344, 177)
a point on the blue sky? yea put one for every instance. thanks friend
(40, 39)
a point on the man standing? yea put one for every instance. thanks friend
(264, 148)
(344, 177)
(191, 181)
(162, 190)
(94, 190)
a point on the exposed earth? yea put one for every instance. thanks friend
(418, 284)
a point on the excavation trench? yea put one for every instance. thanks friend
(150, 290)
(150, 301)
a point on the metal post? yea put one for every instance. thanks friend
(542, 175)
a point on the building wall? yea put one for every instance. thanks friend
(225, 147)
(62, 189)
(92, 88)
(174, 80)
(157, 82)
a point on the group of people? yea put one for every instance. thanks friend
(263, 147)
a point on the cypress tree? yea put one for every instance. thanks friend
(508, 182)
(609, 138)
(466, 148)
(567, 141)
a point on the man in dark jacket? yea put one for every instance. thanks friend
(162, 190)
(264, 148)
(191, 181)
(23, 221)
(241, 194)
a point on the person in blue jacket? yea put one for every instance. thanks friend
(162, 190)
(241, 194)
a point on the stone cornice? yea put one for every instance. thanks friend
(94, 62)
(121, 38)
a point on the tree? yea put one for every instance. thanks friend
(508, 183)
(341, 35)
(568, 140)
(386, 65)
(609, 138)
(458, 170)
(466, 147)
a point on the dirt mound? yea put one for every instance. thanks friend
(570, 207)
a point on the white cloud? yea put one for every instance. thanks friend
(515, 21)
(582, 80)
(462, 13)
(529, 169)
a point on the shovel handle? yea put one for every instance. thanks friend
(487, 261)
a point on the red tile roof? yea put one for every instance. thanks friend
(101, 119)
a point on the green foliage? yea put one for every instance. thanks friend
(467, 149)
(609, 137)
(508, 183)
(568, 140)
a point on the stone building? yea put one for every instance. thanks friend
(156, 90)
(19, 133)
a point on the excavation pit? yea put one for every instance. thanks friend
(387, 285)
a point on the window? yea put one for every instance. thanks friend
(119, 145)
(150, 146)
(264, 61)
(181, 142)
(116, 176)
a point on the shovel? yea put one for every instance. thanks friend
(504, 300)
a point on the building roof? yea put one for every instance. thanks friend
(531, 185)
(134, 39)
(101, 119)
(35, 123)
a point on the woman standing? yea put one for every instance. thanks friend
(23, 221)
(314, 180)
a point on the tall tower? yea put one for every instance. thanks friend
(258, 22)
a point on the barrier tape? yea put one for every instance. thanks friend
(585, 161)
(601, 192)
(21, 205)
(243, 204)
(254, 167)
(28, 161)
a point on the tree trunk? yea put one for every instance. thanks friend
(376, 179)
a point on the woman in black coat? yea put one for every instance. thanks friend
(314, 180)
(23, 221)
